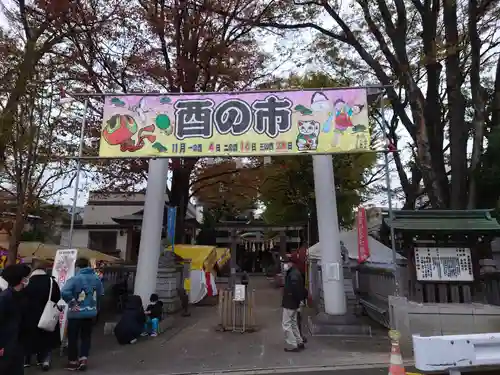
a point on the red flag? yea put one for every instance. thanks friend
(363, 249)
(390, 146)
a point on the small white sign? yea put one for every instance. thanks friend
(239, 292)
(332, 271)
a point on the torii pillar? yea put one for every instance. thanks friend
(152, 224)
(329, 235)
(335, 319)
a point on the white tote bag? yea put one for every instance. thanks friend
(50, 314)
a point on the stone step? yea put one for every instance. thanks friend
(345, 325)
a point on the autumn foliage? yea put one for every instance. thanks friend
(229, 184)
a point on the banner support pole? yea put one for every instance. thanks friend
(77, 177)
(397, 273)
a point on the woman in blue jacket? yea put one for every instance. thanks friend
(81, 293)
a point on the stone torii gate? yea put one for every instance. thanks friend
(318, 122)
(233, 229)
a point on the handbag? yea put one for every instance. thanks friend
(50, 314)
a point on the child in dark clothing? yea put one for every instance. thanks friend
(153, 312)
(131, 324)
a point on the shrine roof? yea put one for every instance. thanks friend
(136, 218)
(444, 221)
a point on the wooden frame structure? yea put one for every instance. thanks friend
(234, 229)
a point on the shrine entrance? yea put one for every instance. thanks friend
(249, 124)
(256, 247)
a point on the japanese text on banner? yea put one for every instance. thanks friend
(222, 124)
(363, 248)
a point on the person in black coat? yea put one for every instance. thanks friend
(12, 309)
(131, 323)
(40, 343)
(293, 296)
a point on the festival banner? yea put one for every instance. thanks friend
(236, 124)
(363, 248)
(63, 270)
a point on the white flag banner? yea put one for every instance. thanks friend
(63, 270)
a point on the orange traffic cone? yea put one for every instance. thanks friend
(396, 366)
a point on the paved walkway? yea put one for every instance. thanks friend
(197, 347)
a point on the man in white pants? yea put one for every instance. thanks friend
(293, 295)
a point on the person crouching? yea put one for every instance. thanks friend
(154, 312)
(131, 323)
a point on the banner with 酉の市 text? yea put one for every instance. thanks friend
(239, 124)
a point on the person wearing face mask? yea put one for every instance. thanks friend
(293, 295)
(12, 311)
(41, 342)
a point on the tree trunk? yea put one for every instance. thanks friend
(432, 111)
(26, 71)
(15, 236)
(478, 101)
(456, 109)
(437, 196)
(495, 106)
(179, 195)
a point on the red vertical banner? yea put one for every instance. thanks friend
(363, 249)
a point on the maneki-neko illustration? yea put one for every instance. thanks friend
(308, 135)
